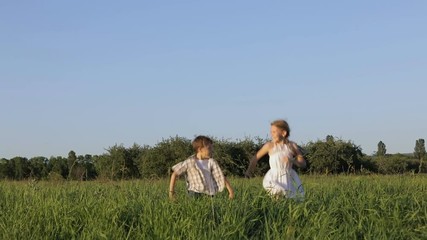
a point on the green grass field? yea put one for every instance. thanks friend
(335, 207)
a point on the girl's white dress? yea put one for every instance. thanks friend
(282, 179)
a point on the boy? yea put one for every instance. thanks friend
(204, 176)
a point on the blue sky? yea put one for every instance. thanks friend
(86, 75)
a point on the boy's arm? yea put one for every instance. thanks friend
(229, 188)
(177, 170)
(172, 186)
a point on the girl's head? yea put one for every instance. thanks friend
(280, 130)
(202, 145)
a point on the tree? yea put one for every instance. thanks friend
(87, 163)
(132, 155)
(57, 167)
(4, 168)
(19, 167)
(102, 165)
(420, 152)
(333, 156)
(38, 167)
(156, 161)
(234, 156)
(72, 161)
(381, 149)
(78, 172)
(119, 162)
(393, 164)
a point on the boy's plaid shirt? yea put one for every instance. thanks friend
(195, 178)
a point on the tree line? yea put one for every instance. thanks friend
(329, 156)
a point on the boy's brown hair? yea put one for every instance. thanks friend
(201, 141)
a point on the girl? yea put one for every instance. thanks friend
(281, 179)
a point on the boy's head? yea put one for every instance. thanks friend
(202, 145)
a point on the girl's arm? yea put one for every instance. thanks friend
(299, 158)
(254, 160)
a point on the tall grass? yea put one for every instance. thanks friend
(335, 207)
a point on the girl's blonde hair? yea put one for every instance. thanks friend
(282, 124)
